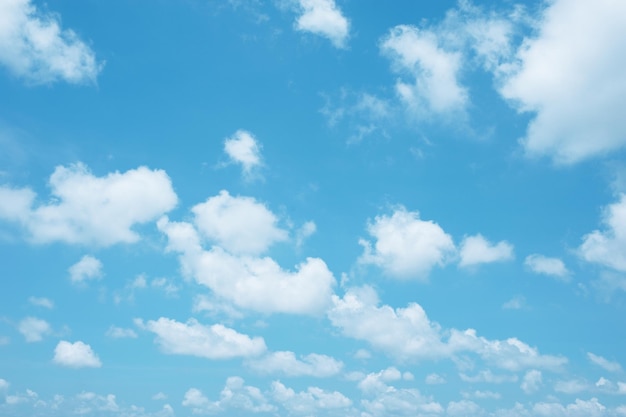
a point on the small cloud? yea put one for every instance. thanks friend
(324, 18)
(242, 148)
(88, 268)
(516, 303)
(362, 354)
(41, 302)
(604, 363)
(75, 355)
(34, 329)
(554, 267)
(435, 379)
(476, 250)
(159, 396)
(307, 230)
(120, 333)
(531, 382)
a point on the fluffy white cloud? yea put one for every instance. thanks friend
(33, 46)
(85, 209)
(406, 246)
(41, 302)
(532, 381)
(34, 329)
(240, 225)
(242, 148)
(579, 408)
(476, 250)
(435, 86)
(88, 268)
(313, 401)
(577, 114)
(607, 247)
(604, 363)
(115, 332)
(285, 362)
(193, 338)
(540, 264)
(235, 395)
(407, 333)
(572, 386)
(253, 283)
(324, 18)
(75, 355)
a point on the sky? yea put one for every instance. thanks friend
(312, 208)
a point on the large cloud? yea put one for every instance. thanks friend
(253, 283)
(571, 78)
(33, 46)
(240, 225)
(406, 246)
(85, 209)
(193, 338)
(324, 18)
(607, 247)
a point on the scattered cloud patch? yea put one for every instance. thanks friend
(532, 381)
(41, 302)
(313, 401)
(34, 329)
(90, 210)
(243, 149)
(604, 363)
(405, 246)
(323, 18)
(286, 363)
(34, 47)
(516, 303)
(75, 355)
(115, 332)
(87, 269)
(235, 395)
(195, 339)
(435, 379)
(241, 225)
(476, 250)
(554, 267)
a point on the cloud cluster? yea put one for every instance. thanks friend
(33, 46)
(286, 363)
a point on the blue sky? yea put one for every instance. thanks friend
(312, 208)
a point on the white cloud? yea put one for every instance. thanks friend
(435, 379)
(576, 113)
(307, 230)
(406, 246)
(33, 46)
(324, 18)
(488, 377)
(41, 302)
(572, 386)
(516, 303)
(85, 209)
(407, 333)
(88, 268)
(607, 247)
(604, 363)
(240, 225)
(476, 250)
(463, 408)
(435, 86)
(193, 338)
(253, 283)
(242, 148)
(234, 395)
(286, 363)
(540, 264)
(34, 329)
(4, 385)
(75, 355)
(313, 401)
(532, 381)
(579, 408)
(115, 332)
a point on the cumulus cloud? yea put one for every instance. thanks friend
(406, 246)
(85, 209)
(242, 148)
(532, 381)
(235, 395)
(41, 302)
(192, 338)
(313, 401)
(476, 250)
(408, 334)
(323, 18)
(33, 46)
(115, 332)
(604, 363)
(576, 114)
(286, 363)
(253, 283)
(88, 268)
(540, 264)
(433, 71)
(240, 225)
(34, 329)
(75, 355)
(607, 247)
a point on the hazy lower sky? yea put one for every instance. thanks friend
(348, 208)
